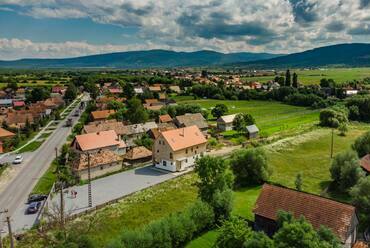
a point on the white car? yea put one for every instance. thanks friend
(18, 159)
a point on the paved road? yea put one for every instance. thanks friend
(14, 196)
(112, 187)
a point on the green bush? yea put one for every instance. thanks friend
(333, 117)
(362, 145)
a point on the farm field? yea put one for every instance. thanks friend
(271, 117)
(340, 75)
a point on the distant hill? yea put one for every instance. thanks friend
(348, 55)
(141, 59)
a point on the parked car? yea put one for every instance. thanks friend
(33, 207)
(18, 159)
(36, 198)
(77, 113)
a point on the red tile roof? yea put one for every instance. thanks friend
(18, 103)
(317, 210)
(184, 137)
(138, 153)
(360, 244)
(102, 114)
(5, 133)
(365, 163)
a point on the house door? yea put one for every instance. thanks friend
(178, 165)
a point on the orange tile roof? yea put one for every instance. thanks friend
(365, 163)
(317, 210)
(5, 133)
(165, 118)
(98, 140)
(102, 114)
(117, 126)
(360, 244)
(138, 152)
(151, 101)
(183, 137)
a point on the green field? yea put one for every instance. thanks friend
(340, 75)
(271, 117)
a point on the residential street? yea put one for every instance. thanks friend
(15, 193)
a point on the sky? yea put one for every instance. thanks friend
(70, 28)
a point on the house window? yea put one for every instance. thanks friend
(157, 151)
(164, 163)
(186, 151)
(101, 167)
(197, 147)
(192, 149)
(186, 160)
(196, 152)
(159, 142)
(171, 155)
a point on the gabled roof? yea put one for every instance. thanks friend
(365, 163)
(226, 118)
(117, 126)
(139, 128)
(151, 101)
(165, 118)
(182, 138)
(91, 141)
(317, 210)
(5, 133)
(175, 88)
(252, 129)
(102, 114)
(188, 120)
(155, 88)
(138, 152)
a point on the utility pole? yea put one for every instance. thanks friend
(9, 228)
(332, 143)
(89, 179)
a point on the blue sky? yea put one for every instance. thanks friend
(67, 28)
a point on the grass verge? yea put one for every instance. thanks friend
(45, 183)
(31, 146)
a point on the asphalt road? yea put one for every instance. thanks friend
(15, 195)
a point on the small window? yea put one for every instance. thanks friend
(171, 155)
(196, 152)
(159, 142)
(186, 160)
(101, 167)
(197, 147)
(192, 149)
(164, 163)
(186, 151)
(157, 151)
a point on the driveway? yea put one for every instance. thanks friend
(113, 187)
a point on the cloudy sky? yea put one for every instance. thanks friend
(66, 28)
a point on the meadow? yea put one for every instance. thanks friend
(340, 75)
(271, 117)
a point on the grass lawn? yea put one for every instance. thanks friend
(310, 155)
(271, 117)
(45, 183)
(31, 146)
(340, 75)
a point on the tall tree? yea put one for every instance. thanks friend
(295, 80)
(219, 110)
(360, 195)
(287, 78)
(136, 112)
(71, 92)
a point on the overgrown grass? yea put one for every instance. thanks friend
(45, 183)
(3, 168)
(31, 146)
(271, 117)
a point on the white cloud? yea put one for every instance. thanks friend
(279, 26)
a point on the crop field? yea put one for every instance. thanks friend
(271, 117)
(340, 75)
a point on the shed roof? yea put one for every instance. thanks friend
(252, 129)
(138, 152)
(227, 118)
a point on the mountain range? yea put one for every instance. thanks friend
(345, 55)
(141, 59)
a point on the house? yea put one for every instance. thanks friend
(18, 104)
(93, 142)
(365, 164)
(135, 131)
(101, 162)
(225, 123)
(319, 211)
(360, 244)
(152, 102)
(175, 88)
(6, 102)
(188, 120)
(139, 154)
(162, 97)
(177, 150)
(154, 107)
(18, 119)
(4, 135)
(155, 88)
(117, 126)
(54, 102)
(252, 131)
(138, 90)
(115, 91)
(164, 118)
(58, 89)
(101, 115)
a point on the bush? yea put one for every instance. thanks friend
(360, 195)
(172, 231)
(250, 166)
(233, 233)
(362, 102)
(345, 170)
(222, 203)
(362, 145)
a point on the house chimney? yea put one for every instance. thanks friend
(182, 133)
(98, 133)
